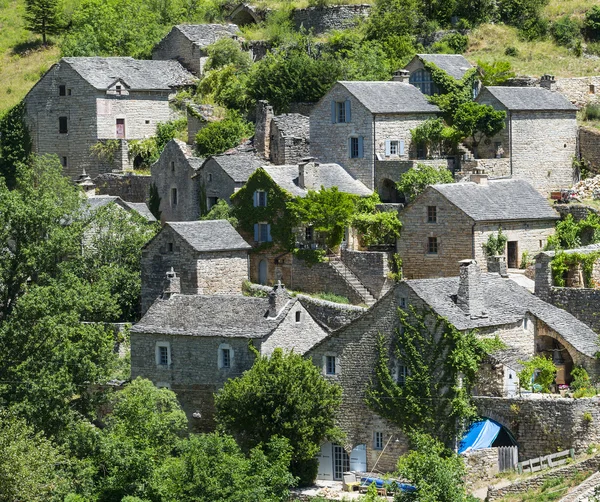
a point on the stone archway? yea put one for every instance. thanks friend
(244, 15)
(389, 193)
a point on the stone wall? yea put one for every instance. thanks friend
(481, 465)
(589, 147)
(583, 303)
(288, 139)
(579, 90)
(262, 134)
(221, 272)
(130, 187)
(495, 168)
(371, 268)
(333, 315)
(177, 46)
(301, 108)
(334, 17)
(579, 211)
(198, 117)
(393, 169)
(216, 182)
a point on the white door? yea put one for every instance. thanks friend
(325, 471)
(341, 462)
(358, 458)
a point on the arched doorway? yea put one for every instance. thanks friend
(262, 272)
(560, 356)
(388, 192)
(486, 433)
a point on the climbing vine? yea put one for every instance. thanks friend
(563, 262)
(495, 244)
(105, 150)
(438, 364)
(544, 370)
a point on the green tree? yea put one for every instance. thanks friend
(437, 472)
(221, 211)
(566, 31)
(414, 181)
(476, 122)
(227, 51)
(495, 73)
(15, 142)
(218, 137)
(540, 371)
(43, 17)
(154, 201)
(591, 24)
(394, 18)
(281, 395)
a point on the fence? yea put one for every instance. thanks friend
(539, 463)
(508, 458)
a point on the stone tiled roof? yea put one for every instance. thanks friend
(390, 97)
(141, 208)
(210, 235)
(209, 315)
(137, 74)
(506, 303)
(454, 65)
(239, 166)
(99, 201)
(194, 162)
(529, 98)
(499, 200)
(328, 176)
(293, 125)
(207, 34)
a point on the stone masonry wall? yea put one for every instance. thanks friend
(589, 146)
(290, 149)
(177, 46)
(584, 304)
(130, 187)
(222, 272)
(579, 90)
(393, 169)
(334, 17)
(579, 211)
(495, 168)
(371, 268)
(216, 182)
(481, 465)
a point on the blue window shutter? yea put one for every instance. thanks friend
(401, 148)
(255, 198)
(265, 199)
(350, 148)
(333, 111)
(348, 111)
(256, 232)
(269, 238)
(361, 151)
(388, 148)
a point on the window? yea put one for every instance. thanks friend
(355, 148)
(309, 233)
(541, 244)
(421, 150)
(225, 356)
(173, 196)
(119, 89)
(172, 167)
(62, 90)
(260, 198)
(147, 122)
(378, 440)
(298, 316)
(393, 148)
(262, 232)
(341, 111)
(63, 161)
(432, 245)
(209, 177)
(431, 214)
(163, 354)
(68, 92)
(401, 374)
(525, 323)
(62, 125)
(170, 246)
(422, 80)
(402, 302)
(592, 89)
(211, 201)
(330, 365)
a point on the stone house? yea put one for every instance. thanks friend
(187, 44)
(539, 141)
(455, 65)
(451, 222)
(209, 257)
(141, 208)
(81, 101)
(365, 127)
(173, 175)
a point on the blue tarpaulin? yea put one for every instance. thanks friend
(480, 435)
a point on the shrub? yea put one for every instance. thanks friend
(591, 111)
(414, 181)
(224, 52)
(587, 417)
(453, 43)
(591, 24)
(511, 51)
(543, 368)
(495, 73)
(495, 244)
(218, 137)
(566, 32)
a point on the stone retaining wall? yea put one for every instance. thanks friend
(584, 304)
(589, 148)
(130, 187)
(481, 465)
(579, 211)
(334, 17)
(371, 269)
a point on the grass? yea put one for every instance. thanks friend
(577, 8)
(551, 489)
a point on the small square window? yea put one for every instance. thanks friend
(62, 90)
(298, 316)
(393, 148)
(330, 365)
(431, 214)
(119, 89)
(163, 357)
(63, 125)
(225, 358)
(354, 148)
(68, 92)
(592, 89)
(147, 121)
(432, 245)
(378, 441)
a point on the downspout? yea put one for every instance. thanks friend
(510, 142)
(473, 241)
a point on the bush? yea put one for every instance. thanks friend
(525, 15)
(495, 244)
(453, 43)
(414, 181)
(511, 51)
(227, 51)
(591, 24)
(545, 369)
(534, 29)
(566, 32)
(495, 73)
(591, 111)
(218, 137)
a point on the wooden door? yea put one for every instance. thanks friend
(513, 254)
(120, 128)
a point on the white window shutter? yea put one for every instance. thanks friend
(401, 146)
(388, 147)
(333, 117)
(348, 111)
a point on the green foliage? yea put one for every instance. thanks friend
(591, 111)
(414, 181)
(452, 43)
(328, 211)
(43, 17)
(379, 228)
(438, 357)
(581, 385)
(281, 395)
(495, 73)
(226, 86)
(218, 137)
(525, 15)
(221, 211)
(227, 51)
(563, 262)
(15, 142)
(591, 24)
(566, 31)
(511, 51)
(543, 368)
(476, 121)
(587, 418)
(105, 150)
(571, 234)
(212, 467)
(436, 136)
(384, 20)
(496, 244)
(332, 297)
(147, 151)
(154, 201)
(437, 472)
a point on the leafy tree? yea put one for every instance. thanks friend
(436, 136)
(414, 181)
(394, 18)
(218, 137)
(377, 228)
(329, 211)
(437, 472)
(227, 51)
(221, 211)
(281, 395)
(591, 23)
(43, 17)
(495, 73)
(566, 31)
(15, 142)
(525, 15)
(476, 122)
(544, 370)
(213, 467)
(226, 86)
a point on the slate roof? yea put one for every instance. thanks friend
(293, 125)
(194, 162)
(137, 74)
(529, 98)
(455, 65)
(207, 34)
(210, 235)
(328, 176)
(390, 97)
(499, 200)
(506, 303)
(239, 166)
(141, 208)
(99, 201)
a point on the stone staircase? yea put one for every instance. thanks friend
(345, 273)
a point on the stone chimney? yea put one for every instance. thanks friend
(262, 134)
(172, 285)
(278, 298)
(480, 179)
(86, 184)
(401, 76)
(307, 173)
(548, 82)
(470, 293)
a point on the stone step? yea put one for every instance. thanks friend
(353, 281)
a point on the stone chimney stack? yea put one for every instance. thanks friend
(548, 82)
(278, 298)
(401, 76)
(307, 173)
(86, 184)
(480, 179)
(470, 293)
(262, 135)
(172, 285)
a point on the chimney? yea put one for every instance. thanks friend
(307, 173)
(278, 298)
(470, 294)
(262, 135)
(548, 82)
(401, 76)
(86, 184)
(172, 285)
(480, 179)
